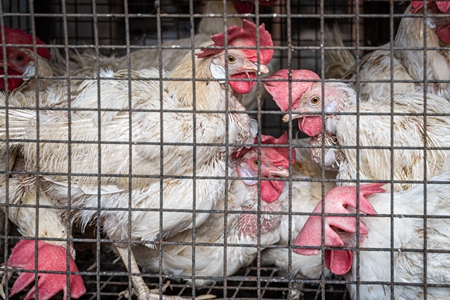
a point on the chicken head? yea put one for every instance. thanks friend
(306, 98)
(274, 162)
(301, 81)
(436, 7)
(336, 202)
(19, 59)
(243, 64)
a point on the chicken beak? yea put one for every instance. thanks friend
(264, 69)
(292, 116)
(282, 173)
(252, 67)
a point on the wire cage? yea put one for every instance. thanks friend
(89, 40)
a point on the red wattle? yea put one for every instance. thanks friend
(13, 83)
(338, 261)
(444, 33)
(312, 126)
(271, 190)
(242, 87)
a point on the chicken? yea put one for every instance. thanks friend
(392, 239)
(150, 143)
(234, 224)
(171, 53)
(408, 69)
(307, 191)
(30, 75)
(23, 63)
(380, 156)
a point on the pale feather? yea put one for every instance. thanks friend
(375, 74)
(214, 260)
(408, 234)
(408, 130)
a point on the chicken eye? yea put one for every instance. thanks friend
(231, 58)
(338, 230)
(255, 163)
(315, 100)
(20, 57)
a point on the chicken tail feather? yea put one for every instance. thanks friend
(339, 62)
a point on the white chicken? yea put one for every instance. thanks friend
(171, 54)
(240, 231)
(156, 149)
(403, 249)
(408, 68)
(360, 145)
(308, 187)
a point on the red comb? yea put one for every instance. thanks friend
(18, 36)
(49, 258)
(242, 37)
(443, 6)
(280, 89)
(282, 153)
(278, 156)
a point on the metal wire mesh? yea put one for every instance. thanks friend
(116, 28)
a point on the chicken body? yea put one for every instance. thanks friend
(34, 86)
(234, 231)
(370, 130)
(21, 92)
(408, 69)
(407, 241)
(146, 157)
(143, 159)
